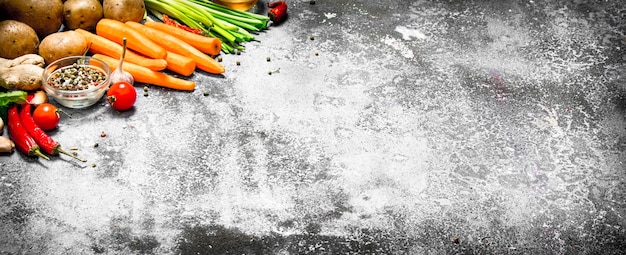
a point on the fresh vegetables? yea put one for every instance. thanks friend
(231, 26)
(145, 75)
(24, 142)
(17, 39)
(180, 64)
(278, 13)
(46, 116)
(62, 44)
(119, 74)
(208, 45)
(124, 10)
(83, 14)
(121, 96)
(16, 96)
(101, 45)
(116, 31)
(173, 44)
(168, 21)
(36, 98)
(45, 142)
(22, 73)
(44, 16)
(6, 145)
(28, 59)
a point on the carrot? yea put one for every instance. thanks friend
(180, 64)
(101, 45)
(173, 44)
(145, 75)
(115, 30)
(208, 45)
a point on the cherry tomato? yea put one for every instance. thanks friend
(46, 116)
(121, 96)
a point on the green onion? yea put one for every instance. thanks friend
(232, 27)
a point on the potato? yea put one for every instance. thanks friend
(83, 14)
(17, 39)
(44, 16)
(124, 10)
(62, 44)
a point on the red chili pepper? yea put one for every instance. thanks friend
(167, 20)
(23, 141)
(45, 142)
(278, 12)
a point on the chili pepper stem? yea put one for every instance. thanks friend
(70, 154)
(36, 152)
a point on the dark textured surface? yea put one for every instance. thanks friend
(392, 127)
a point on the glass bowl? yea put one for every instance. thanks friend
(85, 94)
(242, 5)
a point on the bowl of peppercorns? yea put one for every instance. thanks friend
(76, 81)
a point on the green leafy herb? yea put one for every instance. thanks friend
(16, 96)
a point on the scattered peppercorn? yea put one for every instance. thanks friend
(145, 93)
(312, 38)
(206, 93)
(317, 53)
(268, 59)
(93, 165)
(312, 2)
(219, 58)
(95, 145)
(238, 63)
(145, 88)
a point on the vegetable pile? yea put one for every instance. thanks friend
(36, 33)
(231, 26)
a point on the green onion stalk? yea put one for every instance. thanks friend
(232, 27)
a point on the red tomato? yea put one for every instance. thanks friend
(46, 116)
(121, 96)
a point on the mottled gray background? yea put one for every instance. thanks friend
(392, 127)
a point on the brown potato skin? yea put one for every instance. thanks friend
(17, 39)
(62, 44)
(44, 16)
(124, 10)
(83, 14)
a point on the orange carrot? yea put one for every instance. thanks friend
(173, 44)
(180, 64)
(145, 75)
(115, 30)
(101, 45)
(208, 45)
